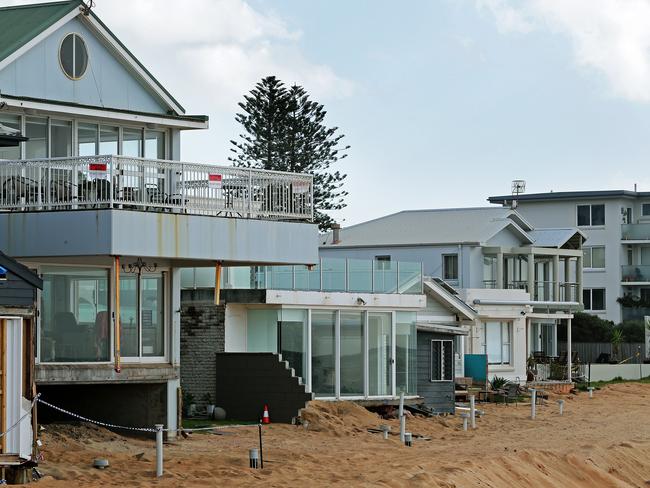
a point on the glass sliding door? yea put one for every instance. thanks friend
(154, 144)
(351, 354)
(379, 354)
(152, 315)
(405, 353)
(132, 142)
(323, 353)
(36, 132)
(129, 305)
(108, 140)
(60, 138)
(13, 122)
(291, 339)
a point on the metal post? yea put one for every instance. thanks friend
(472, 410)
(408, 439)
(533, 403)
(465, 417)
(111, 186)
(259, 427)
(159, 450)
(402, 418)
(250, 193)
(561, 404)
(591, 391)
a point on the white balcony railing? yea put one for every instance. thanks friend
(154, 185)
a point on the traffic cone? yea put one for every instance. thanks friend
(265, 417)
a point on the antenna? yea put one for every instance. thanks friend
(518, 186)
(87, 6)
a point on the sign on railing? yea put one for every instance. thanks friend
(154, 185)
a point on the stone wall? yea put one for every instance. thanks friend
(202, 336)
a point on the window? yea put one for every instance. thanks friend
(60, 138)
(594, 257)
(73, 56)
(36, 132)
(383, 262)
(12, 122)
(589, 215)
(442, 360)
(87, 139)
(132, 142)
(450, 266)
(154, 144)
(594, 299)
(497, 342)
(645, 209)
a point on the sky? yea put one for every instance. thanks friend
(443, 102)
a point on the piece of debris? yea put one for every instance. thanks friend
(100, 463)
(139, 456)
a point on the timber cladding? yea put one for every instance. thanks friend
(438, 395)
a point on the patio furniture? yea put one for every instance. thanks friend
(510, 391)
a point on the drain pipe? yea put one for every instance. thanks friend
(116, 314)
(533, 403)
(472, 410)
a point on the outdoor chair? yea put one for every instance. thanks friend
(509, 392)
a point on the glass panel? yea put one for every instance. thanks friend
(435, 360)
(598, 298)
(645, 255)
(406, 353)
(410, 278)
(352, 354)
(333, 274)
(586, 299)
(291, 338)
(280, 277)
(385, 276)
(584, 215)
(307, 279)
(450, 267)
(598, 257)
(154, 144)
(36, 131)
(239, 277)
(108, 140)
(13, 122)
(587, 257)
(493, 342)
(360, 275)
(379, 354)
(66, 55)
(87, 136)
(598, 214)
(548, 339)
(61, 138)
(153, 318)
(80, 57)
(74, 315)
(132, 142)
(262, 331)
(323, 363)
(129, 335)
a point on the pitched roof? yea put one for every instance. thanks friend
(557, 237)
(445, 294)
(568, 195)
(21, 23)
(440, 226)
(20, 270)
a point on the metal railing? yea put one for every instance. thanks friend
(569, 292)
(154, 185)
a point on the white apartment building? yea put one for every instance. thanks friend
(617, 250)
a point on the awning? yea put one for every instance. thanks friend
(441, 328)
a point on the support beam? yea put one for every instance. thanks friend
(217, 283)
(579, 280)
(531, 275)
(116, 273)
(567, 282)
(500, 282)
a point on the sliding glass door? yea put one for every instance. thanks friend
(379, 354)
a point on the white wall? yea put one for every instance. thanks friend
(235, 328)
(606, 372)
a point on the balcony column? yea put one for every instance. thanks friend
(568, 296)
(531, 275)
(556, 277)
(579, 279)
(500, 270)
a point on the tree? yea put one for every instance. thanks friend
(284, 130)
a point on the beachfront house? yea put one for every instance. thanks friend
(524, 282)
(95, 199)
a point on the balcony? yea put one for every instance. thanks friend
(330, 275)
(635, 273)
(118, 182)
(635, 232)
(543, 290)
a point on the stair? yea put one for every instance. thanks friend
(248, 381)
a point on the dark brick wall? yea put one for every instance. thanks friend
(202, 336)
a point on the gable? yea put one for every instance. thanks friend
(506, 237)
(107, 82)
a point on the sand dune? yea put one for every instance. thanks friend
(603, 442)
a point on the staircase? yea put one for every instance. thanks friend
(248, 381)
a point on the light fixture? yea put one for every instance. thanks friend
(138, 266)
(361, 301)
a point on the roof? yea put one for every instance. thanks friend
(432, 227)
(20, 270)
(446, 295)
(22, 23)
(557, 237)
(568, 195)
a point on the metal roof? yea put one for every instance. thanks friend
(20, 270)
(568, 195)
(554, 237)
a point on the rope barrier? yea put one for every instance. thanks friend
(21, 418)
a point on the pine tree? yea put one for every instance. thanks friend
(285, 131)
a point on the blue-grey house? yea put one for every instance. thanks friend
(97, 201)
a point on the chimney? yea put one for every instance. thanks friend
(336, 233)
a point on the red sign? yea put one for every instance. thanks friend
(214, 180)
(97, 167)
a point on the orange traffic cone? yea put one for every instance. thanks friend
(265, 417)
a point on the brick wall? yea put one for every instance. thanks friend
(202, 336)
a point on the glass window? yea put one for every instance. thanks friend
(450, 266)
(584, 215)
(108, 137)
(598, 214)
(323, 351)
(489, 271)
(497, 342)
(645, 209)
(586, 299)
(60, 138)
(385, 276)
(360, 275)
(154, 144)
(129, 335)
(132, 142)
(36, 131)
(594, 257)
(442, 360)
(75, 323)
(291, 339)
(593, 299)
(379, 354)
(12, 122)
(406, 353)
(152, 318)
(352, 357)
(87, 139)
(73, 56)
(262, 330)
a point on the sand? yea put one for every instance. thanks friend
(602, 442)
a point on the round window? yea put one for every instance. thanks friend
(73, 56)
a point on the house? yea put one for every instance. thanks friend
(97, 201)
(335, 331)
(18, 288)
(617, 255)
(523, 281)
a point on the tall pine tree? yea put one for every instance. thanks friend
(285, 131)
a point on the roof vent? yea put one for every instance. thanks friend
(336, 233)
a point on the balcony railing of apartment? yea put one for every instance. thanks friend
(543, 291)
(635, 273)
(154, 185)
(331, 274)
(635, 232)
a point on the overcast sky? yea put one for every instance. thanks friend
(444, 102)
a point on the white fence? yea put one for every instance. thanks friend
(607, 372)
(156, 185)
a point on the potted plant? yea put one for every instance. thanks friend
(188, 405)
(209, 406)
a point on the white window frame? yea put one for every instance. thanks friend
(510, 327)
(444, 344)
(588, 250)
(591, 224)
(591, 299)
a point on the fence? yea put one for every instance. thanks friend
(588, 352)
(148, 184)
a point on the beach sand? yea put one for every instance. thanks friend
(602, 442)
